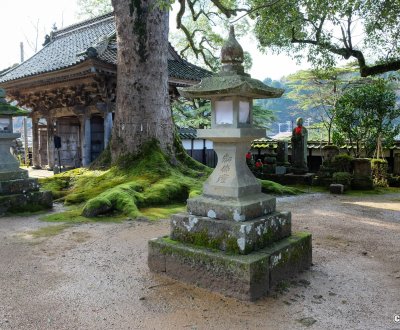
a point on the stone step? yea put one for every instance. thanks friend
(13, 175)
(31, 201)
(245, 277)
(228, 235)
(18, 186)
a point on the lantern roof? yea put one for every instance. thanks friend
(231, 80)
(8, 109)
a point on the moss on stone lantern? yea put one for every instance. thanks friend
(232, 239)
(231, 92)
(7, 111)
(8, 163)
(18, 192)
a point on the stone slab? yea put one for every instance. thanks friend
(19, 186)
(245, 277)
(228, 235)
(280, 170)
(237, 209)
(14, 175)
(336, 188)
(26, 202)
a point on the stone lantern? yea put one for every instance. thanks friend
(231, 93)
(232, 239)
(8, 164)
(18, 192)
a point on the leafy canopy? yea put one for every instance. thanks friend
(363, 30)
(366, 114)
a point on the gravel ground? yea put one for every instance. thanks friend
(95, 276)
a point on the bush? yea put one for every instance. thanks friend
(379, 172)
(343, 178)
(342, 163)
(394, 180)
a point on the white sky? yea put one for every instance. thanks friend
(19, 18)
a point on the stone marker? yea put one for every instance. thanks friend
(18, 192)
(232, 239)
(396, 165)
(336, 188)
(362, 174)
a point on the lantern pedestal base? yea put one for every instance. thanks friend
(231, 236)
(245, 277)
(19, 193)
(237, 209)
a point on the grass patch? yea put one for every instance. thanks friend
(48, 231)
(375, 191)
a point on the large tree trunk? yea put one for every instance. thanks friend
(143, 110)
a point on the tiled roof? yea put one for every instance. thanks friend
(71, 45)
(188, 133)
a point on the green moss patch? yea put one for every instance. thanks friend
(135, 186)
(74, 215)
(162, 212)
(271, 187)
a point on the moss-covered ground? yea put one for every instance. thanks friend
(147, 185)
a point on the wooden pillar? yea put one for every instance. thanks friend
(50, 143)
(86, 139)
(35, 143)
(108, 123)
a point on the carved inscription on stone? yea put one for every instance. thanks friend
(225, 168)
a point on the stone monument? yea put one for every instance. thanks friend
(299, 148)
(18, 192)
(232, 239)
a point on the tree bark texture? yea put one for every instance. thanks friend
(143, 110)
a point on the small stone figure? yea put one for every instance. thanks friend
(299, 148)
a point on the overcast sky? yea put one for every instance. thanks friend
(20, 17)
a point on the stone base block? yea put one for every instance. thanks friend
(336, 188)
(306, 178)
(237, 209)
(362, 183)
(228, 235)
(245, 277)
(18, 186)
(26, 202)
(13, 175)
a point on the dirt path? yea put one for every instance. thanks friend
(95, 276)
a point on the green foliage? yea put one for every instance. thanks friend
(342, 163)
(326, 30)
(202, 32)
(191, 113)
(379, 172)
(92, 8)
(262, 118)
(343, 178)
(365, 113)
(316, 92)
(393, 180)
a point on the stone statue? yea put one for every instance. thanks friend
(299, 148)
